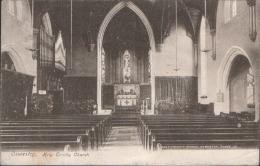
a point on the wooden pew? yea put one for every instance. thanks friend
(245, 116)
(90, 134)
(105, 125)
(12, 135)
(97, 128)
(165, 131)
(208, 143)
(32, 142)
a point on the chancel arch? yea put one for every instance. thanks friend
(121, 5)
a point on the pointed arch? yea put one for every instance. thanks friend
(14, 55)
(100, 36)
(223, 75)
(226, 65)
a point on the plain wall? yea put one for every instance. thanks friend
(18, 35)
(17, 38)
(231, 36)
(165, 61)
(84, 62)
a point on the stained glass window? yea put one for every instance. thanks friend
(149, 66)
(230, 10)
(11, 7)
(103, 66)
(19, 7)
(250, 89)
(127, 67)
(234, 8)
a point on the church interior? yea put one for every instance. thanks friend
(96, 75)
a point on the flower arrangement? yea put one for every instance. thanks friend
(42, 104)
(173, 107)
(13, 109)
(79, 107)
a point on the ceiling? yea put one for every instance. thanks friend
(89, 14)
(126, 30)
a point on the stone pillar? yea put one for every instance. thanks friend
(35, 57)
(213, 37)
(26, 107)
(152, 79)
(99, 90)
(252, 19)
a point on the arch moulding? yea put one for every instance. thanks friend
(13, 53)
(100, 36)
(226, 65)
(224, 70)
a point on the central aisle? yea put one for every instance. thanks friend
(123, 137)
(123, 147)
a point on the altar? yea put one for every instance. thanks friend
(126, 100)
(126, 95)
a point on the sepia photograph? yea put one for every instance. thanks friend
(130, 82)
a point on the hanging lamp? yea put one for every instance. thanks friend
(205, 10)
(176, 37)
(160, 45)
(252, 19)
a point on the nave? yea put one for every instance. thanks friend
(107, 142)
(152, 132)
(130, 81)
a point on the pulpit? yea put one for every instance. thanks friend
(126, 95)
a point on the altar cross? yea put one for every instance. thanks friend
(126, 102)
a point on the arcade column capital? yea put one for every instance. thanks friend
(251, 2)
(213, 32)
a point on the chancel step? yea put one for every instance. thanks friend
(125, 117)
